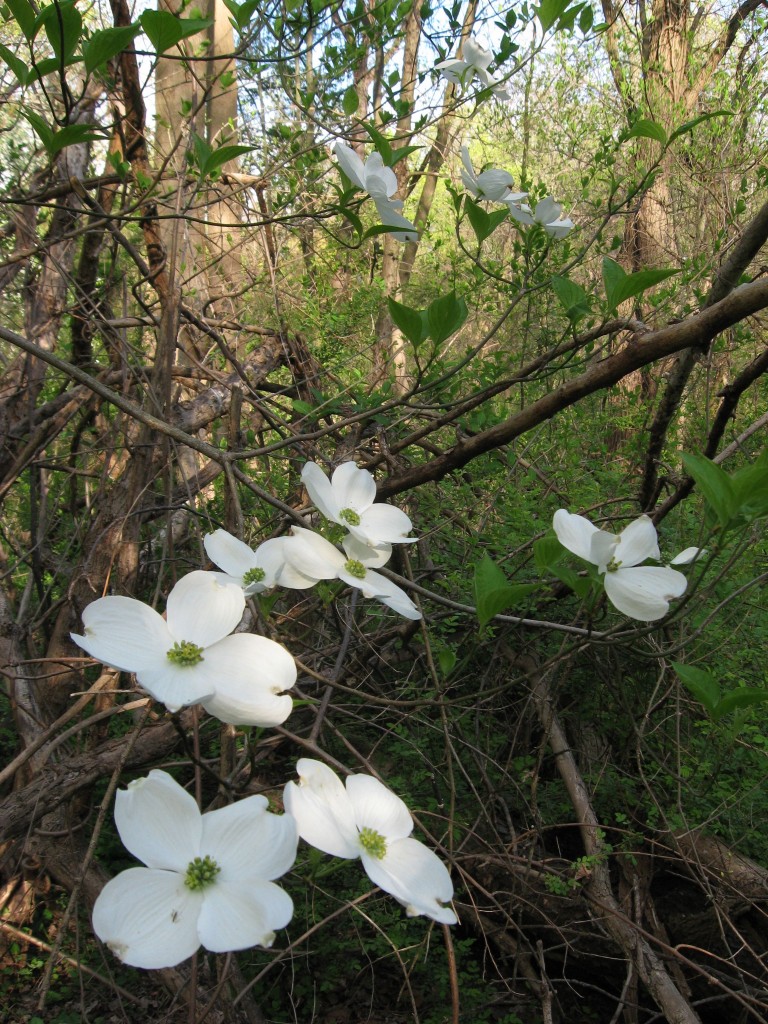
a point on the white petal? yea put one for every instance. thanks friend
(383, 524)
(381, 589)
(248, 842)
(159, 822)
(476, 54)
(354, 488)
(178, 686)
(453, 70)
(320, 491)
(574, 533)
(644, 593)
(494, 184)
(688, 555)
(389, 216)
(380, 180)
(350, 163)
(468, 171)
(202, 609)
(560, 228)
(637, 542)
(233, 917)
(520, 213)
(313, 555)
(270, 556)
(375, 806)
(322, 809)
(124, 633)
(372, 556)
(602, 549)
(229, 553)
(148, 918)
(547, 210)
(250, 674)
(416, 877)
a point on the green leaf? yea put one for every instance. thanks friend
(572, 298)
(750, 487)
(301, 407)
(106, 43)
(586, 19)
(547, 552)
(380, 142)
(445, 316)
(741, 698)
(24, 15)
(645, 129)
(242, 13)
(63, 25)
(620, 286)
(701, 683)
(409, 321)
(165, 30)
(550, 11)
(402, 152)
(350, 101)
(224, 154)
(483, 224)
(715, 484)
(42, 129)
(493, 594)
(121, 167)
(446, 659)
(690, 125)
(17, 66)
(72, 135)
(580, 585)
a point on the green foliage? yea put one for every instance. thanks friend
(620, 286)
(164, 30)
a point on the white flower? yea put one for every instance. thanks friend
(348, 499)
(368, 821)
(191, 657)
(315, 556)
(688, 555)
(492, 184)
(254, 571)
(389, 215)
(475, 62)
(548, 213)
(380, 182)
(641, 592)
(208, 878)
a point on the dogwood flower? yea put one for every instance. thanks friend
(548, 213)
(474, 63)
(688, 555)
(315, 556)
(366, 820)
(380, 182)
(493, 185)
(254, 571)
(191, 657)
(641, 592)
(348, 499)
(208, 878)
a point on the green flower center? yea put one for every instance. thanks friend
(355, 568)
(613, 566)
(255, 575)
(373, 842)
(350, 516)
(201, 872)
(185, 653)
